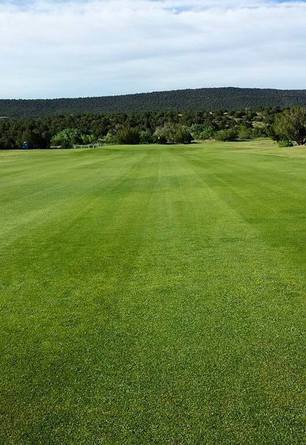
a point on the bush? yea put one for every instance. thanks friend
(88, 139)
(207, 133)
(226, 135)
(285, 143)
(109, 139)
(172, 134)
(201, 132)
(291, 126)
(182, 136)
(146, 137)
(245, 133)
(7, 143)
(128, 136)
(67, 138)
(161, 135)
(33, 139)
(261, 131)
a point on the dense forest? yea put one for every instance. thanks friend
(287, 126)
(205, 99)
(163, 127)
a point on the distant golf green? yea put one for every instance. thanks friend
(153, 295)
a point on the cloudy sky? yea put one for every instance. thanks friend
(66, 48)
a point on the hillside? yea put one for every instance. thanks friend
(204, 99)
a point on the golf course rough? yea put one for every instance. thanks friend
(153, 295)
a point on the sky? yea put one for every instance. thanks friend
(77, 48)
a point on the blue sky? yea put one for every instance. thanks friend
(69, 48)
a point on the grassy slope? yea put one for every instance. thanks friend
(153, 295)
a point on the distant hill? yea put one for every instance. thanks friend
(204, 99)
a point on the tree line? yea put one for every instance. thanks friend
(67, 131)
(207, 99)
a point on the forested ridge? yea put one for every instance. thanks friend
(204, 99)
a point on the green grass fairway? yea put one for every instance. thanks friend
(153, 295)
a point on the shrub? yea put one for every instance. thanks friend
(146, 137)
(201, 132)
(291, 126)
(285, 143)
(128, 136)
(207, 133)
(173, 134)
(260, 131)
(67, 138)
(7, 143)
(182, 136)
(245, 133)
(110, 138)
(33, 138)
(88, 139)
(230, 134)
(161, 135)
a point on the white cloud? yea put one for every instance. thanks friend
(80, 48)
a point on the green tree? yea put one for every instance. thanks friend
(161, 135)
(230, 134)
(291, 126)
(201, 132)
(173, 134)
(207, 133)
(245, 132)
(67, 138)
(146, 137)
(88, 139)
(129, 136)
(109, 139)
(182, 135)
(34, 138)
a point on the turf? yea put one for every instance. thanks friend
(153, 295)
